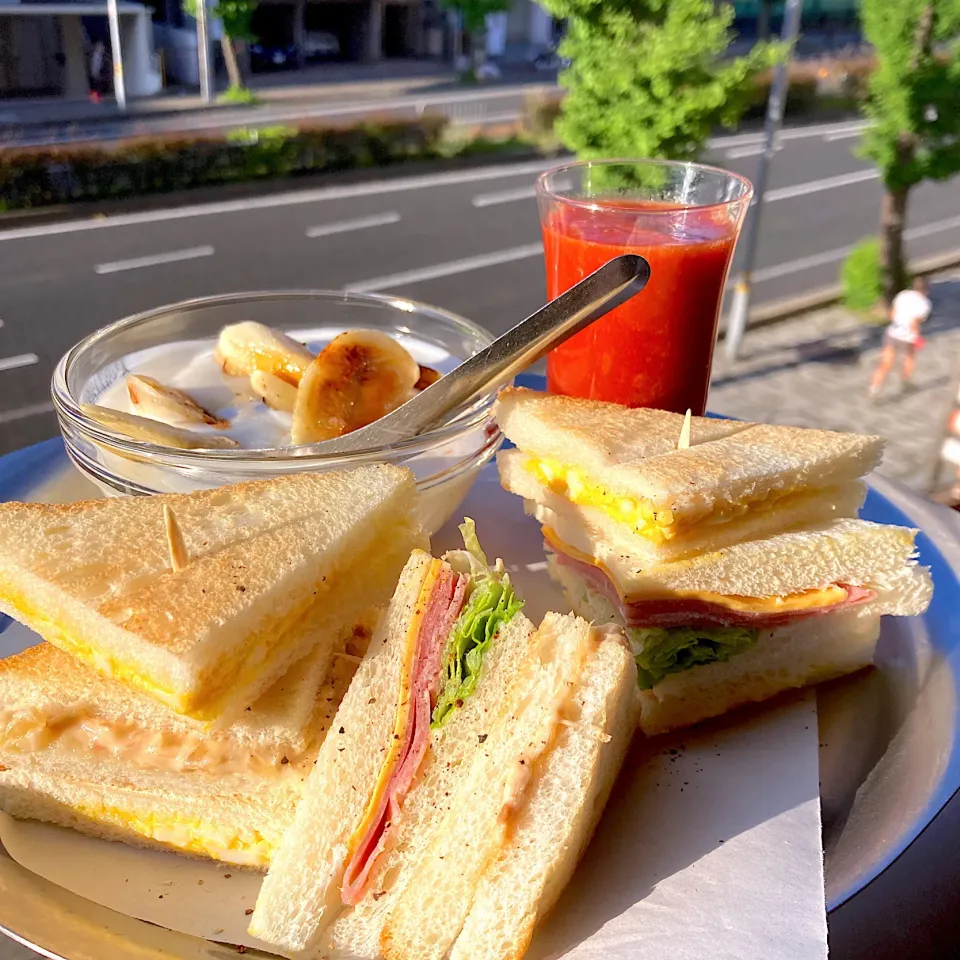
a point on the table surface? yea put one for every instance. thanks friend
(912, 910)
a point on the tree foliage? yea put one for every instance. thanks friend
(914, 92)
(649, 78)
(475, 12)
(235, 15)
(914, 106)
(236, 18)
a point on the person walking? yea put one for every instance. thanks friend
(910, 308)
(98, 60)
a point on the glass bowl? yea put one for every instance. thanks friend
(445, 461)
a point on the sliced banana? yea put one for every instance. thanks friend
(167, 404)
(153, 431)
(358, 377)
(273, 391)
(428, 377)
(245, 347)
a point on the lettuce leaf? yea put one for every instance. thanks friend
(660, 651)
(490, 605)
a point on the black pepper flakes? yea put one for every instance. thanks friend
(342, 730)
(249, 910)
(483, 737)
(284, 760)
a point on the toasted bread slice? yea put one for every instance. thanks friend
(797, 654)
(207, 637)
(498, 860)
(855, 553)
(590, 528)
(568, 792)
(800, 654)
(628, 460)
(85, 752)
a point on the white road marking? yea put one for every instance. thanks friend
(929, 229)
(21, 413)
(827, 183)
(843, 134)
(787, 133)
(504, 196)
(739, 153)
(174, 256)
(447, 269)
(290, 199)
(520, 193)
(801, 264)
(359, 223)
(21, 360)
(839, 253)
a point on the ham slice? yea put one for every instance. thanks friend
(441, 613)
(691, 612)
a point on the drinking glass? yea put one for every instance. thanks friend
(656, 349)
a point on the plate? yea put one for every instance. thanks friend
(889, 752)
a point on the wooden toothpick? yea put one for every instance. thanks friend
(179, 557)
(684, 442)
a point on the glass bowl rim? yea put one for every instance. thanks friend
(545, 192)
(68, 409)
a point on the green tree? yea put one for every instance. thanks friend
(236, 17)
(474, 13)
(649, 78)
(914, 103)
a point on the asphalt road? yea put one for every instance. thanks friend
(467, 241)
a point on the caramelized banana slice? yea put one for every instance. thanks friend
(245, 347)
(140, 428)
(428, 377)
(273, 391)
(167, 404)
(360, 376)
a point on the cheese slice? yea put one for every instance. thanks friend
(806, 600)
(404, 706)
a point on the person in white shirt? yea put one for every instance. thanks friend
(909, 309)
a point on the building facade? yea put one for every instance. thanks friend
(46, 47)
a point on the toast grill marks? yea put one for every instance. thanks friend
(447, 592)
(693, 612)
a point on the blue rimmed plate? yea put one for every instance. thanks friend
(889, 756)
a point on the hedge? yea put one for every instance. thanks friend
(37, 177)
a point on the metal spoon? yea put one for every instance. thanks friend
(613, 284)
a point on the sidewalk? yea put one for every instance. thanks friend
(327, 83)
(813, 371)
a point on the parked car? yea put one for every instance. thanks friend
(265, 55)
(319, 45)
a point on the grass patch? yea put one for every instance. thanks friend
(240, 95)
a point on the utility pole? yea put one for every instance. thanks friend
(737, 323)
(205, 67)
(116, 54)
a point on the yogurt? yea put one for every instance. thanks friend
(190, 366)
(444, 473)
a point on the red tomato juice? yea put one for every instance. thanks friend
(656, 349)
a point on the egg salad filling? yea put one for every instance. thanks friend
(190, 834)
(657, 524)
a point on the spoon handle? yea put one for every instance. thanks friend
(613, 284)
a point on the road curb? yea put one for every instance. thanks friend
(790, 307)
